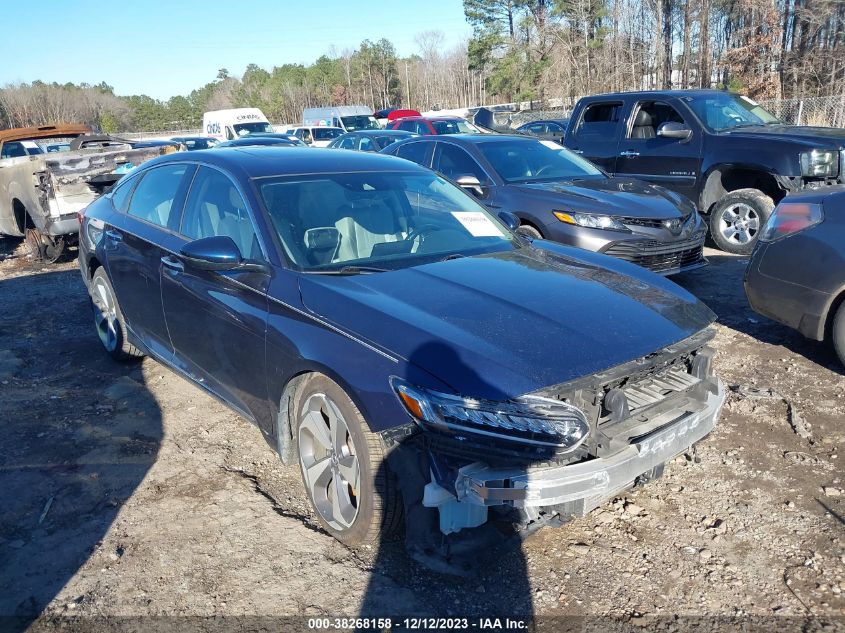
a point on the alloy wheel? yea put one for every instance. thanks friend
(329, 465)
(739, 223)
(105, 314)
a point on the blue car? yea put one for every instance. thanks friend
(396, 339)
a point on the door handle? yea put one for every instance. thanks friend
(172, 263)
(114, 236)
(629, 153)
(577, 151)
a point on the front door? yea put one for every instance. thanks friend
(218, 319)
(644, 154)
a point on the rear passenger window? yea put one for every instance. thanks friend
(599, 120)
(415, 152)
(120, 197)
(154, 195)
(216, 208)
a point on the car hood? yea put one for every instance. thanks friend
(807, 135)
(501, 325)
(613, 196)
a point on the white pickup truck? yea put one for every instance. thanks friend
(43, 185)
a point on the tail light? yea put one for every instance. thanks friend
(789, 218)
(80, 215)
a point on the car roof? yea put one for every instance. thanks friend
(471, 139)
(702, 92)
(260, 162)
(445, 117)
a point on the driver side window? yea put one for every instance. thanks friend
(650, 115)
(215, 208)
(452, 161)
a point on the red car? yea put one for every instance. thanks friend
(434, 125)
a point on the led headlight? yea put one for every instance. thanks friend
(591, 221)
(820, 163)
(529, 420)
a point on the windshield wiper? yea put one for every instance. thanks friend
(452, 256)
(350, 270)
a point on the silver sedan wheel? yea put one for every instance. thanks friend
(329, 464)
(105, 314)
(739, 223)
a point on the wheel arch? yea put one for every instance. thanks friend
(284, 423)
(837, 299)
(723, 179)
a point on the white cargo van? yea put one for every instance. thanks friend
(347, 118)
(234, 123)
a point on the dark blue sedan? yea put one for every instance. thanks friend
(396, 339)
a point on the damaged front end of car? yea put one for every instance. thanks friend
(553, 454)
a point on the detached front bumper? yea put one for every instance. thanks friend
(578, 488)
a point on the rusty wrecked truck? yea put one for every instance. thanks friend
(47, 178)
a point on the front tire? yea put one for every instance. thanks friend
(108, 319)
(737, 219)
(343, 465)
(529, 231)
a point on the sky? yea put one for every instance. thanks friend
(164, 48)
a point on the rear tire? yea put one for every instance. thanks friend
(738, 218)
(838, 332)
(108, 319)
(343, 465)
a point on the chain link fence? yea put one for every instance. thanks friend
(820, 111)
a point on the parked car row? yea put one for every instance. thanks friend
(459, 328)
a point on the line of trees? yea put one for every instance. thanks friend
(519, 50)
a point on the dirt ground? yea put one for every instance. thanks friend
(126, 491)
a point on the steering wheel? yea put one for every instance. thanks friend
(543, 170)
(421, 231)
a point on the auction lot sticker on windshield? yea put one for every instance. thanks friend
(552, 144)
(478, 224)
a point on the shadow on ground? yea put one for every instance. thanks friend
(720, 286)
(80, 433)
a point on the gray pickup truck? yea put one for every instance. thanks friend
(44, 185)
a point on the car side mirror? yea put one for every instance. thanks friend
(510, 220)
(471, 184)
(672, 129)
(218, 253)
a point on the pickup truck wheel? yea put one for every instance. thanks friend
(44, 248)
(108, 319)
(343, 465)
(838, 332)
(529, 231)
(737, 219)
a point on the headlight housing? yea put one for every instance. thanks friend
(789, 218)
(541, 422)
(820, 163)
(591, 221)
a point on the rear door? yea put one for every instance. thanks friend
(597, 131)
(671, 162)
(217, 319)
(135, 242)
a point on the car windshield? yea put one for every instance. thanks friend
(530, 161)
(326, 134)
(198, 143)
(724, 111)
(359, 122)
(242, 129)
(458, 126)
(386, 139)
(386, 220)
